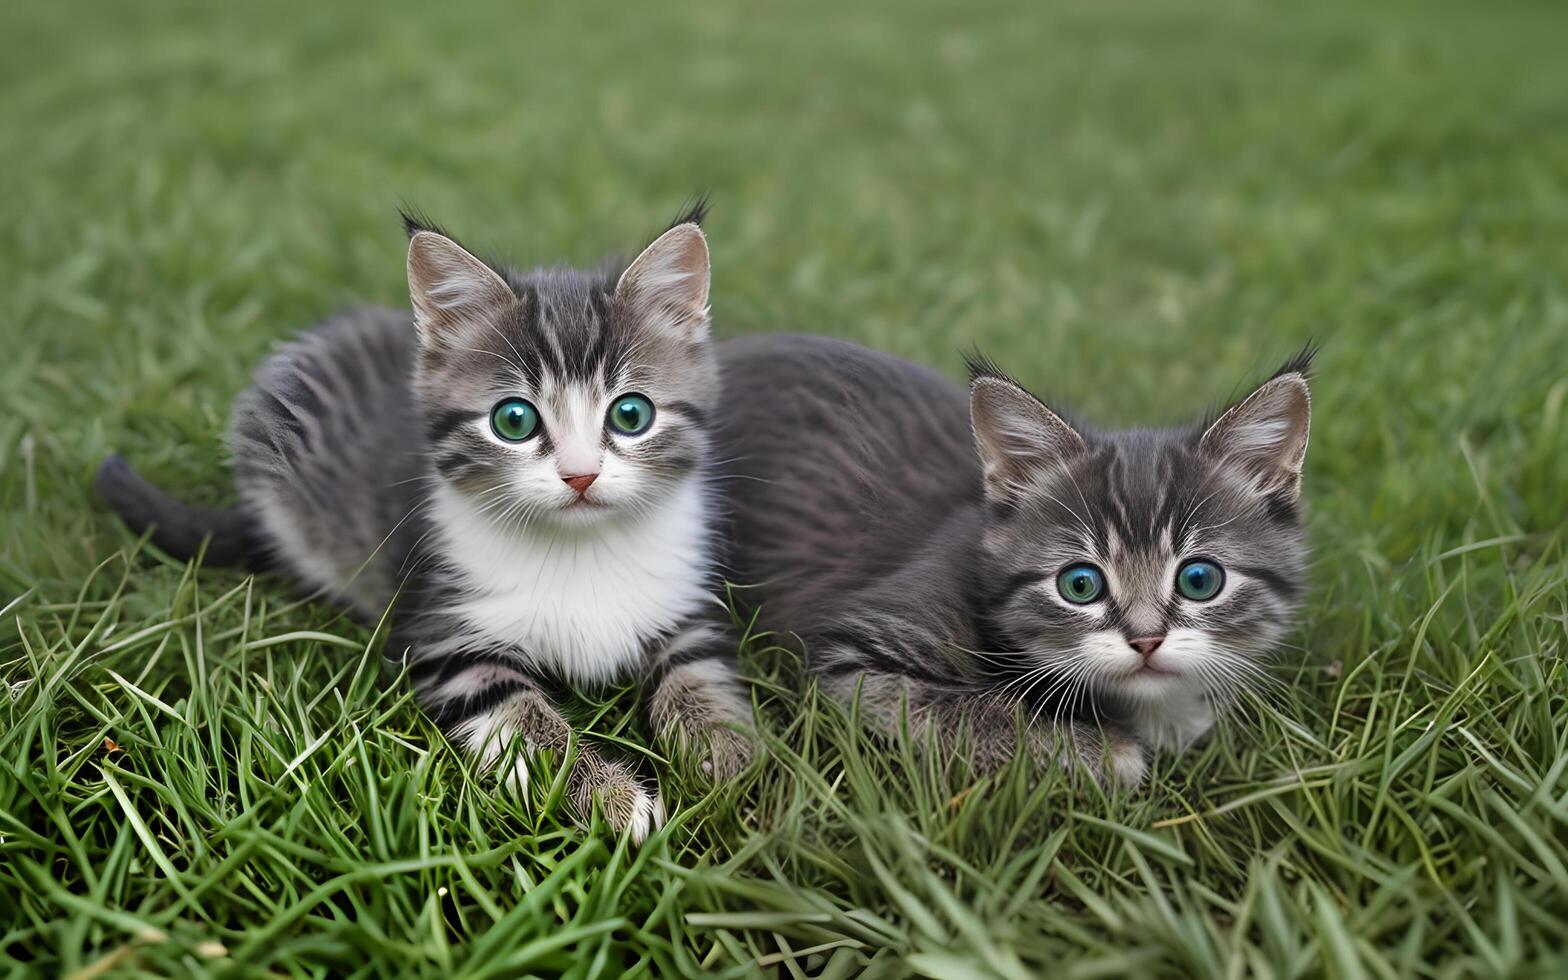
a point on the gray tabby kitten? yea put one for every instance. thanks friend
(969, 566)
(525, 467)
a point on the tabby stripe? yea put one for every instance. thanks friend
(712, 643)
(435, 671)
(862, 657)
(1282, 509)
(1015, 584)
(688, 409)
(1273, 579)
(452, 465)
(453, 712)
(445, 423)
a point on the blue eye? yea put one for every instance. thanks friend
(1200, 580)
(514, 420)
(631, 414)
(1081, 584)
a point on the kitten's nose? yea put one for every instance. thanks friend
(1146, 645)
(580, 483)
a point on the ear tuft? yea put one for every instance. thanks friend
(1016, 435)
(695, 212)
(1266, 433)
(414, 221)
(449, 287)
(667, 286)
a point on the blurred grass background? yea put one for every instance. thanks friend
(1135, 206)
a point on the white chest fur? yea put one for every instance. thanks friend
(580, 603)
(1176, 722)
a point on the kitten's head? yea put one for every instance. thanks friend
(564, 396)
(1143, 565)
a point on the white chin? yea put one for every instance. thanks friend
(580, 514)
(1147, 686)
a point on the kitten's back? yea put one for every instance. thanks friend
(838, 463)
(326, 445)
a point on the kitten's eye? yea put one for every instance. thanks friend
(1200, 580)
(514, 420)
(1081, 584)
(631, 414)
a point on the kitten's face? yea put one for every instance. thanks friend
(1144, 566)
(564, 397)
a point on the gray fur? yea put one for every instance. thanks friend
(913, 551)
(323, 458)
(367, 469)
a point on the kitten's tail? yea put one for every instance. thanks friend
(177, 528)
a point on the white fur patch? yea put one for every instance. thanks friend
(647, 816)
(488, 736)
(578, 602)
(1172, 710)
(1127, 764)
(1175, 721)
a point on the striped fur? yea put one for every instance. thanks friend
(368, 469)
(912, 539)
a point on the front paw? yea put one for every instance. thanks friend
(1113, 758)
(698, 709)
(729, 753)
(628, 804)
(725, 751)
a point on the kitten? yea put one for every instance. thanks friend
(972, 565)
(526, 468)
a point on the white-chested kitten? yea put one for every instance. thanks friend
(524, 466)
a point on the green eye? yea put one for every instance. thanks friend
(631, 414)
(1081, 584)
(514, 420)
(1200, 580)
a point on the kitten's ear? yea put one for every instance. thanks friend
(1016, 435)
(449, 286)
(667, 286)
(1266, 433)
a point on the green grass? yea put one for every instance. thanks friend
(1135, 206)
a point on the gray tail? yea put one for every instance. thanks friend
(177, 528)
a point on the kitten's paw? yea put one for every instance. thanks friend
(720, 752)
(515, 777)
(729, 753)
(699, 710)
(1127, 762)
(1113, 758)
(628, 804)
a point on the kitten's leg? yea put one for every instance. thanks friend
(879, 666)
(695, 699)
(485, 703)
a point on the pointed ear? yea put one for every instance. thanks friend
(449, 286)
(1266, 433)
(1016, 435)
(668, 283)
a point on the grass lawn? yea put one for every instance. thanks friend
(1137, 207)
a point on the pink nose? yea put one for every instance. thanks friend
(1146, 645)
(580, 483)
